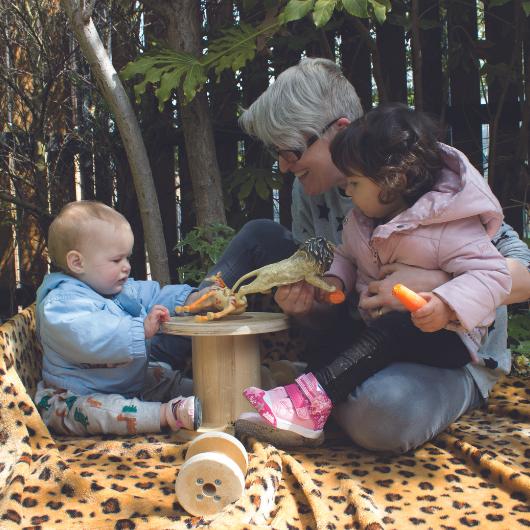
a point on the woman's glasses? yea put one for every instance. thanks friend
(293, 155)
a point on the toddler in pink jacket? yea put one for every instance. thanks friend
(417, 202)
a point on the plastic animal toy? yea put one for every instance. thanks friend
(308, 263)
(219, 298)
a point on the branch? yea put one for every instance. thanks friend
(324, 45)
(372, 46)
(160, 7)
(16, 88)
(12, 199)
(116, 97)
(494, 129)
(416, 56)
(87, 10)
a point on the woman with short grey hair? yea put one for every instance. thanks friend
(300, 104)
(405, 404)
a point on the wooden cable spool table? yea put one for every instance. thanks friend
(226, 360)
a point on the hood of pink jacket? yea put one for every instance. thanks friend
(460, 192)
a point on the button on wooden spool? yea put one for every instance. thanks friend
(213, 474)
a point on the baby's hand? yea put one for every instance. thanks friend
(434, 315)
(158, 314)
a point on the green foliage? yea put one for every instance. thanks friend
(357, 8)
(235, 47)
(519, 333)
(200, 249)
(247, 179)
(295, 10)
(238, 45)
(171, 70)
(519, 341)
(323, 11)
(375, 9)
(168, 69)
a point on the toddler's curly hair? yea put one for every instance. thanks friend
(395, 146)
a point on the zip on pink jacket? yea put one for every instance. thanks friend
(449, 228)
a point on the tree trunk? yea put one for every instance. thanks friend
(255, 80)
(158, 130)
(184, 35)
(432, 79)
(465, 119)
(224, 98)
(504, 29)
(417, 56)
(391, 46)
(115, 95)
(7, 248)
(284, 57)
(356, 63)
(377, 70)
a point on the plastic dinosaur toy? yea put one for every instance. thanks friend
(219, 298)
(308, 263)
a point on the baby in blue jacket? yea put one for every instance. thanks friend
(96, 326)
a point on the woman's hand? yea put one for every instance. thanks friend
(295, 299)
(195, 295)
(378, 299)
(520, 282)
(322, 296)
(158, 314)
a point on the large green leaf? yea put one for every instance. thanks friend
(295, 10)
(184, 66)
(172, 69)
(195, 79)
(323, 11)
(140, 66)
(262, 189)
(235, 47)
(245, 189)
(166, 68)
(357, 8)
(380, 9)
(152, 76)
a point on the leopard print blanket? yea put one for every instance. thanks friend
(475, 474)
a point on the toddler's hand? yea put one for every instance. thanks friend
(434, 315)
(158, 314)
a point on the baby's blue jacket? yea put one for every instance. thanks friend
(84, 335)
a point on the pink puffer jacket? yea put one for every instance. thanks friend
(448, 228)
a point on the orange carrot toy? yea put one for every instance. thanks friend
(411, 300)
(335, 297)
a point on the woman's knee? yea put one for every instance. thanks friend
(386, 421)
(264, 230)
(269, 239)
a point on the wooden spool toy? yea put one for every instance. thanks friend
(213, 474)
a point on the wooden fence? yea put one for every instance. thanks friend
(458, 47)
